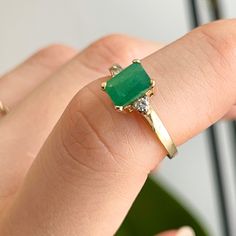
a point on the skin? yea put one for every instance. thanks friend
(82, 163)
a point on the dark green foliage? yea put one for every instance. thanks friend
(154, 211)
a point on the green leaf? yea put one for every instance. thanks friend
(155, 211)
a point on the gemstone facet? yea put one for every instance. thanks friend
(141, 105)
(127, 86)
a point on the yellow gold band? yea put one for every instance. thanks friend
(161, 132)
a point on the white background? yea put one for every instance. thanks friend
(27, 25)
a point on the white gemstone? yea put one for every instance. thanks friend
(142, 104)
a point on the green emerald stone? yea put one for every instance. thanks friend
(129, 85)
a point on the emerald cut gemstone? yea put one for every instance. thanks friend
(129, 85)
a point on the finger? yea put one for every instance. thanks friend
(231, 115)
(183, 231)
(169, 233)
(95, 162)
(46, 104)
(16, 84)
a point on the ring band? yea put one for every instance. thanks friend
(161, 132)
(3, 109)
(129, 90)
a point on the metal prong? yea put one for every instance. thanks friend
(119, 108)
(136, 61)
(115, 69)
(103, 85)
(150, 93)
(129, 108)
(153, 83)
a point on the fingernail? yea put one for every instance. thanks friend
(185, 231)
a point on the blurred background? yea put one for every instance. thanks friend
(28, 25)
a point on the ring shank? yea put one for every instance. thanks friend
(161, 132)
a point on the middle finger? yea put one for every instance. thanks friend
(18, 83)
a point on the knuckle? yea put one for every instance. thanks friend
(114, 48)
(53, 55)
(117, 46)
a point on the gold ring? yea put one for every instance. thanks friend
(3, 109)
(129, 90)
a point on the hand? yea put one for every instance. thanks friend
(90, 167)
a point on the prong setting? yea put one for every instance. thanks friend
(103, 85)
(153, 83)
(115, 69)
(136, 61)
(142, 105)
(150, 92)
(129, 108)
(119, 108)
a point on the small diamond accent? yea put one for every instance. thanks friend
(142, 104)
